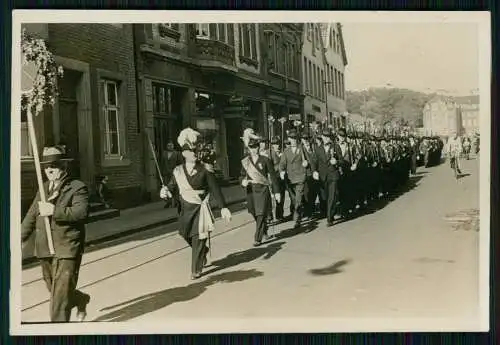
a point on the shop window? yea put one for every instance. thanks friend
(162, 100)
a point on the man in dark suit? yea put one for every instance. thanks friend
(293, 165)
(259, 179)
(310, 185)
(171, 158)
(67, 209)
(330, 164)
(275, 158)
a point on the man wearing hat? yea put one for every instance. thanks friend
(259, 179)
(310, 185)
(67, 207)
(275, 158)
(194, 185)
(293, 165)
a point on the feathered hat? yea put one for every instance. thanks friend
(188, 139)
(249, 137)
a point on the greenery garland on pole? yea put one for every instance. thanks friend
(39, 88)
(44, 92)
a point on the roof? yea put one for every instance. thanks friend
(471, 99)
(325, 30)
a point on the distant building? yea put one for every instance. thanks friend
(357, 120)
(469, 106)
(442, 116)
(336, 62)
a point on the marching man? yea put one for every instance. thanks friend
(67, 206)
(259, 179)
(195, 184)
(293, 164)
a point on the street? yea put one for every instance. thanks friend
(416, 256)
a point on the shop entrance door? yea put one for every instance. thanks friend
(234, 146)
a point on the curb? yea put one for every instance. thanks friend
(128, 232)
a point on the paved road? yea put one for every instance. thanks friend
(416, 256)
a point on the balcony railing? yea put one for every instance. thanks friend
(207, 49)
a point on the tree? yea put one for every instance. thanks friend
(34, 51)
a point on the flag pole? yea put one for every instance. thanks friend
(32, 134)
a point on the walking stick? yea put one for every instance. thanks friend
(153, 152)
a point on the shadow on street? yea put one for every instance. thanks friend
(306, 227)
(246, 256)
(334, 268)
(161, 299)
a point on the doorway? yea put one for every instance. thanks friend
(234, 146)
(68, 118)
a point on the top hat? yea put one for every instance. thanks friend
(54, 154)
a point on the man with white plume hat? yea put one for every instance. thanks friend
(259, 179)
(195, 185)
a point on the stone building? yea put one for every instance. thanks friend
(442, 116)
(469, 107)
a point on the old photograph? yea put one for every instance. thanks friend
(181, 172)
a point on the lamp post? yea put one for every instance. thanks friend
(282, 120)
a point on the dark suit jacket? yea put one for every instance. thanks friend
(311, 159)
(292, 164)
(67, 223)
(258, 196)
(328, 172)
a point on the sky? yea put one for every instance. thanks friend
(420, 56)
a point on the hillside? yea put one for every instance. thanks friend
(401, 106)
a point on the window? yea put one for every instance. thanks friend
(216, 32)
(332, 81)
(338, 43)
(318, 38)
(162, 100)
(305, 76)
(309, 31)
(271, 50)
(111, 121)
(291, 60)
(26, 150)
(328, 84)
(314, 88)
(311, 85)
(342, 89)
(334, 40)
(323, 85)
(248, 44)
(331, 39)
(318, 83)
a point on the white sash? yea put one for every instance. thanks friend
(254, 174)
(192, 196)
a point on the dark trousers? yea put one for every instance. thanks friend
(199, 252)
(413, 164)
(61, 277)
(310, 194)
(261, 227)
(278, 213)
(331, 190)
(296, 191)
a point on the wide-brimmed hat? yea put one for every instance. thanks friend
(326, 132)
(54, 154)
(275, 141)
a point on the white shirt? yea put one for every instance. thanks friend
(454, 146)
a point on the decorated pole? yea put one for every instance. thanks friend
(38, 88)
(282, 120)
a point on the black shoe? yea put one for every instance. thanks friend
(257, 243)
(195, 276)
(329, 223)
(297, 224)
(81, 313)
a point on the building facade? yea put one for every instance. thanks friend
(442, 117)
(336, 63)
(95, 115)
(469, 107)
(282, 70)
(314, 83)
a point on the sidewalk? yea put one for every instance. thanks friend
(139, 218)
